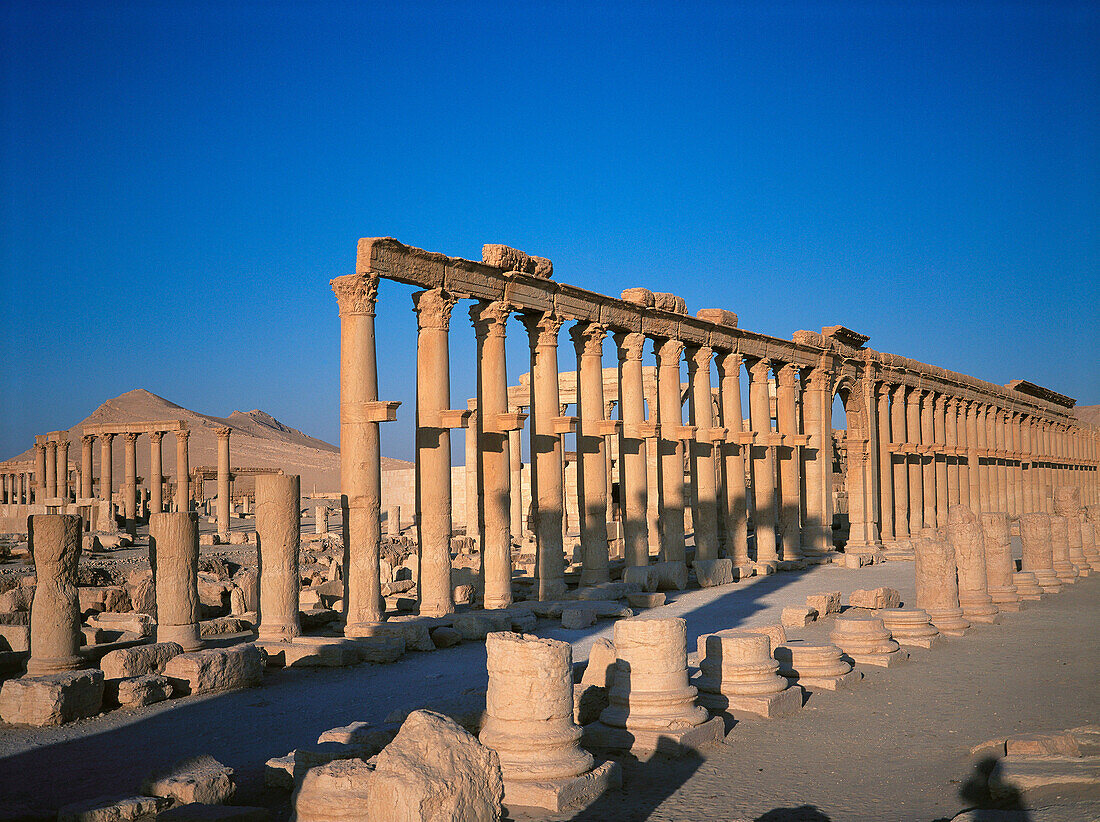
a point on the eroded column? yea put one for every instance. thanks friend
(965, 533)
(278, 539)
(55, 610)
(790, 484)
(763, 462)
(951, 444)
(733, 463)
(592, 462)
(916, 463)
(174, 555)
(701, 411)
(39, 473)
(51, 469)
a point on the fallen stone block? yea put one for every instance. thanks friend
(199, 779)
(1047, 775)
(641, 575)
(279, 772)
(798, 617)
(824, 604)
(577, 618)
(1087, 738)
(142, 690)
(113, 809)
(53, 699)
(139, 660)
(475, 626)
(855, 561)
(216, 669)
(361, 733)
(713, 572)
(141, 624)
(378, 650)
(15, 638)
(646, 600)
(445, 637)
(415, 631)
(216, 813)
(336, 792)
(605, 591)
(1042, 745)
(523, 620)
(671, 576)
(875, 598)
(220, 626)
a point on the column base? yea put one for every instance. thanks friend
(763, 706)
(557, 795)
(830, 683)
(886, 660)
(37, 666)
(187, 636)
(674, 743)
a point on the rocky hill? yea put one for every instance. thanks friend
(1088, 414)
(258, 440)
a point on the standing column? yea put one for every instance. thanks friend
(939, 457)
(546, 456)
(733, 461)
(790, 484)
(701, 415)
(55, 610)
(278, 538)
(494, 468)
(763, 462)
(928, 458)
(156, 473)
(360, 455)
(670, 450)
(63, 471)
(900, 437)
(174, 553)
(1016, 478)
(86, 466)
(433, 450)
(951, 443)
(963, 458)
(39, 473)
(885, 471)
(473, 507)
(1001, 472)
(591, 459)
(515, 457)
(129, 484)
(6, 497)
(183, 472)
(973, 460)
(985, 501)
(632, 449)
(1029, 473)
(223, 483)
(916, 466)
(106, 478)
(51, 469)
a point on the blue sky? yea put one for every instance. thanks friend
(180, 181)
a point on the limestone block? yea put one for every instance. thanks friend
(336, 792)
(644, 575)
(52, 699)
(141, 624)
(605, 591)
(143, 596)
(646, 600)
(1042, 745)
(875, 598)
(776, 633)
(669, 302)
(445, 637)
(224, 625)
(474, 626)
(739, 676)
(824, 604)
(139, 660)
(575, 618)
(216, 669)
(936, 576)
(1027, 586)
(523, 620)
(713, 572)
(415, 632)
(798, 617)
(279, 772)
(17, 599)
(601, 664)
(113, 809)
(15, 637)
(199, 779)
(143, 690)
(435, 771)
(671, 576)
(463, 594)
(311, 652)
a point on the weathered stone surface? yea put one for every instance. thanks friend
(216, 813)
(113, 809)
(15, 637)
(1042, 745)
(378, 649)
(601, 664)
(139, 660)
(140, 624)
(336, 792)
(143, 690)
(875, 598)
(434, 771)
(52, 699)
(671, 576)
(475, 626)
(196, 779)
(279, 772)
(216, 669)
(646, 600)
(415, 632)
(642, 575)
(713, 572)
(445, 637)
(576, 618)
(824, 604)
(798, 617)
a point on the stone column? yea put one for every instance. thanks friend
(928, 458)
(939, 435)
(951, 443)
(1016, 473)
(999, 565)
(183, 472)
(495, 465)
(55, 610)
(885, 473)
(433, 450)
(515, 458)
(937, 583)
(985, 487)
(1028, 467)
(473, 507)
(278, 539)
(899, 435)
(529, 712)
(86, 466)
(701, 411)
(763, 462)
(129, 483)
(916, 466)
(1038, 551)
(1001, 472)
(1059, 546)
(174, 555)
(223, 482)
(790, 484)
(320, 519)
(963, 458)
(5, 493)
(965, 533)
(592, 463)
(670, 450)
(632, 448)
(733, 462)
(974, 444)
(51, 469)
(360, 457)
(39, 473)
(546, 455)
(156, 473)
(63, 470)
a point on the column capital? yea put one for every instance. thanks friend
(883, 389)
(939, 401)
(899, 392)
(543, 329)
(51, 445)
(729, 363)
(820, 379)
(433, 308)
(699, 356)
(915, 395)
(63, 444)
(490, 318)
(156, 436)
(667, 350)
(588, 338)
(786, 374)
(629, 345)
(182, 434)
(356, 293)
(87, 439)
(131, 436)
(223, 432)
(40, 447)
(106, 438)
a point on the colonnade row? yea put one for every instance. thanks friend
(789, 465)
(53, 487)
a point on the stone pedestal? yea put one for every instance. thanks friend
(651, 704)
(910, 626)
(1038, 555)
(529, 723)
(937, 584)
(866, 640)
(999, 565)
(55, 610)
(174, 555)
(1027, 587)
(738, 676)
(816, 666)
(278, 528)
(964, 531)
(1059, 547)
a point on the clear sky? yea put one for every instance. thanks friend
(180, 181)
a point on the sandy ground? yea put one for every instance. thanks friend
(893, 748)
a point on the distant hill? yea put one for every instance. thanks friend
(258, 440)
(1088, 414)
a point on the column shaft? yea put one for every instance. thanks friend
(916, 465)
(899, 436)
(156, 473)
(51, 469)
(939, 421)
(886, 463)
(733, 460)
(278, 539)
(55, 541)
(223, 482)
(183, 472)
(174, 553)
(86, 466)
(763, 462)
(670, 450)
(632, 449)
(928, 457)
(592, 468)
(701, 415)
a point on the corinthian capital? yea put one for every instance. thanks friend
(490, 319)
(588, 338)
(433, 308)
(542, 329)
(629, 345)
(699, 358)
(356, 293)
(787, 374)
(669, 353)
